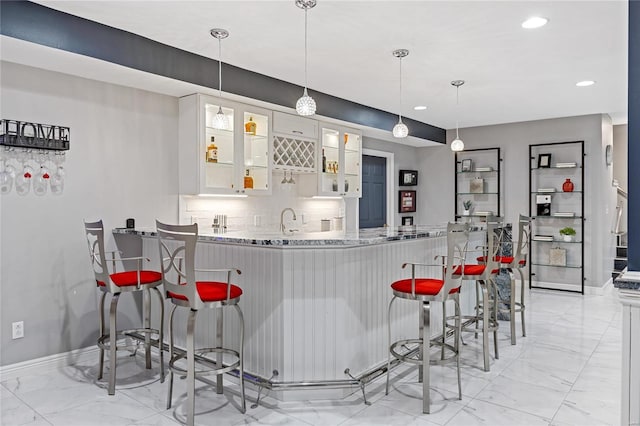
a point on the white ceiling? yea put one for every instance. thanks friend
(511, 74)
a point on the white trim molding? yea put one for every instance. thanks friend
(12, 371)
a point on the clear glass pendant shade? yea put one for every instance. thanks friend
(457, 145)
(220, 121)
(306, 105)
(400, 130)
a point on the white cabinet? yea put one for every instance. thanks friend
(295, 125)
(232, 161)
(340, 162)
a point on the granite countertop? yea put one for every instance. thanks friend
(330, 238)
(629, 280)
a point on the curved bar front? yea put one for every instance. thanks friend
(315, 307)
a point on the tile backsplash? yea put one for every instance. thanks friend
(261, 213)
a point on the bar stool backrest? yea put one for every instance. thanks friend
(177, 244)
(457, 241)
(495, 229)
(524, 231)
(95, 240)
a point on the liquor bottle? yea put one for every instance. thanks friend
(250, 126)
(248, 180)
(212, 152)
(324, 162)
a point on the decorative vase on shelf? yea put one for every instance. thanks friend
(567, 186)
(466, 212)
(567, 238)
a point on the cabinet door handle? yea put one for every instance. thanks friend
(298, 132)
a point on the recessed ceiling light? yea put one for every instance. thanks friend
(534, 22)
(419, 107)
(585, 83)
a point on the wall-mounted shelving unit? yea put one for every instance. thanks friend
(556, 201)
(478, 179)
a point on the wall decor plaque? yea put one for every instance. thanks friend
(476, 186)
(558, 257)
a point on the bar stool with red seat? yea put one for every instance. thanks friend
(425, 291)
(517, 263)
(483, 274)
(116, 283)
(177, 252)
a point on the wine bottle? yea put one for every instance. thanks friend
(324, 162)
(212, 152)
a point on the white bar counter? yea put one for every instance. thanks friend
(628, 285)
(316, 305)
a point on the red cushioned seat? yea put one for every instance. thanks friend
(130, 278)
(424, 286)
(211, 291)
(495, 259)
(502, 259)
(474, 270)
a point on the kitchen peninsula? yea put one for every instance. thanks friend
(316, 304)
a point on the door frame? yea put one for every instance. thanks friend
(390, 182)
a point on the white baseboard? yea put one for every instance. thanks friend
(588, 290)
(599, 291)
(12, 371)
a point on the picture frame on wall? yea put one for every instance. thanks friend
(466, 165)
(544, 161)
(408, 177)
(406, 201)
(407, 220)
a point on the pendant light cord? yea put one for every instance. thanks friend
(219, 67)
(457, 111)
(400, 111)
(305, 49)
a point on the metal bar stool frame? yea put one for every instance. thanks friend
(177, 245)
(518, 263)
(132, 283)
(486, 291)
(457, 240)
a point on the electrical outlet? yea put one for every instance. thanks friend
(17, 330)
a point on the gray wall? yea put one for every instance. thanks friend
(121, 164)
(435, 197)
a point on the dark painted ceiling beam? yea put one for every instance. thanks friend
(49, 27)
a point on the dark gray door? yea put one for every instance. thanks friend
(373, 204)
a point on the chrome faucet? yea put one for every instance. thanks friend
(282, 227)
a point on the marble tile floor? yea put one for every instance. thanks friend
(565, 372)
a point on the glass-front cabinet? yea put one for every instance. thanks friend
(232, 160)
(341, 158)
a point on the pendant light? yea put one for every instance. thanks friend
(305, 105)
(220, 121)
(400, 130)
(457, 145)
